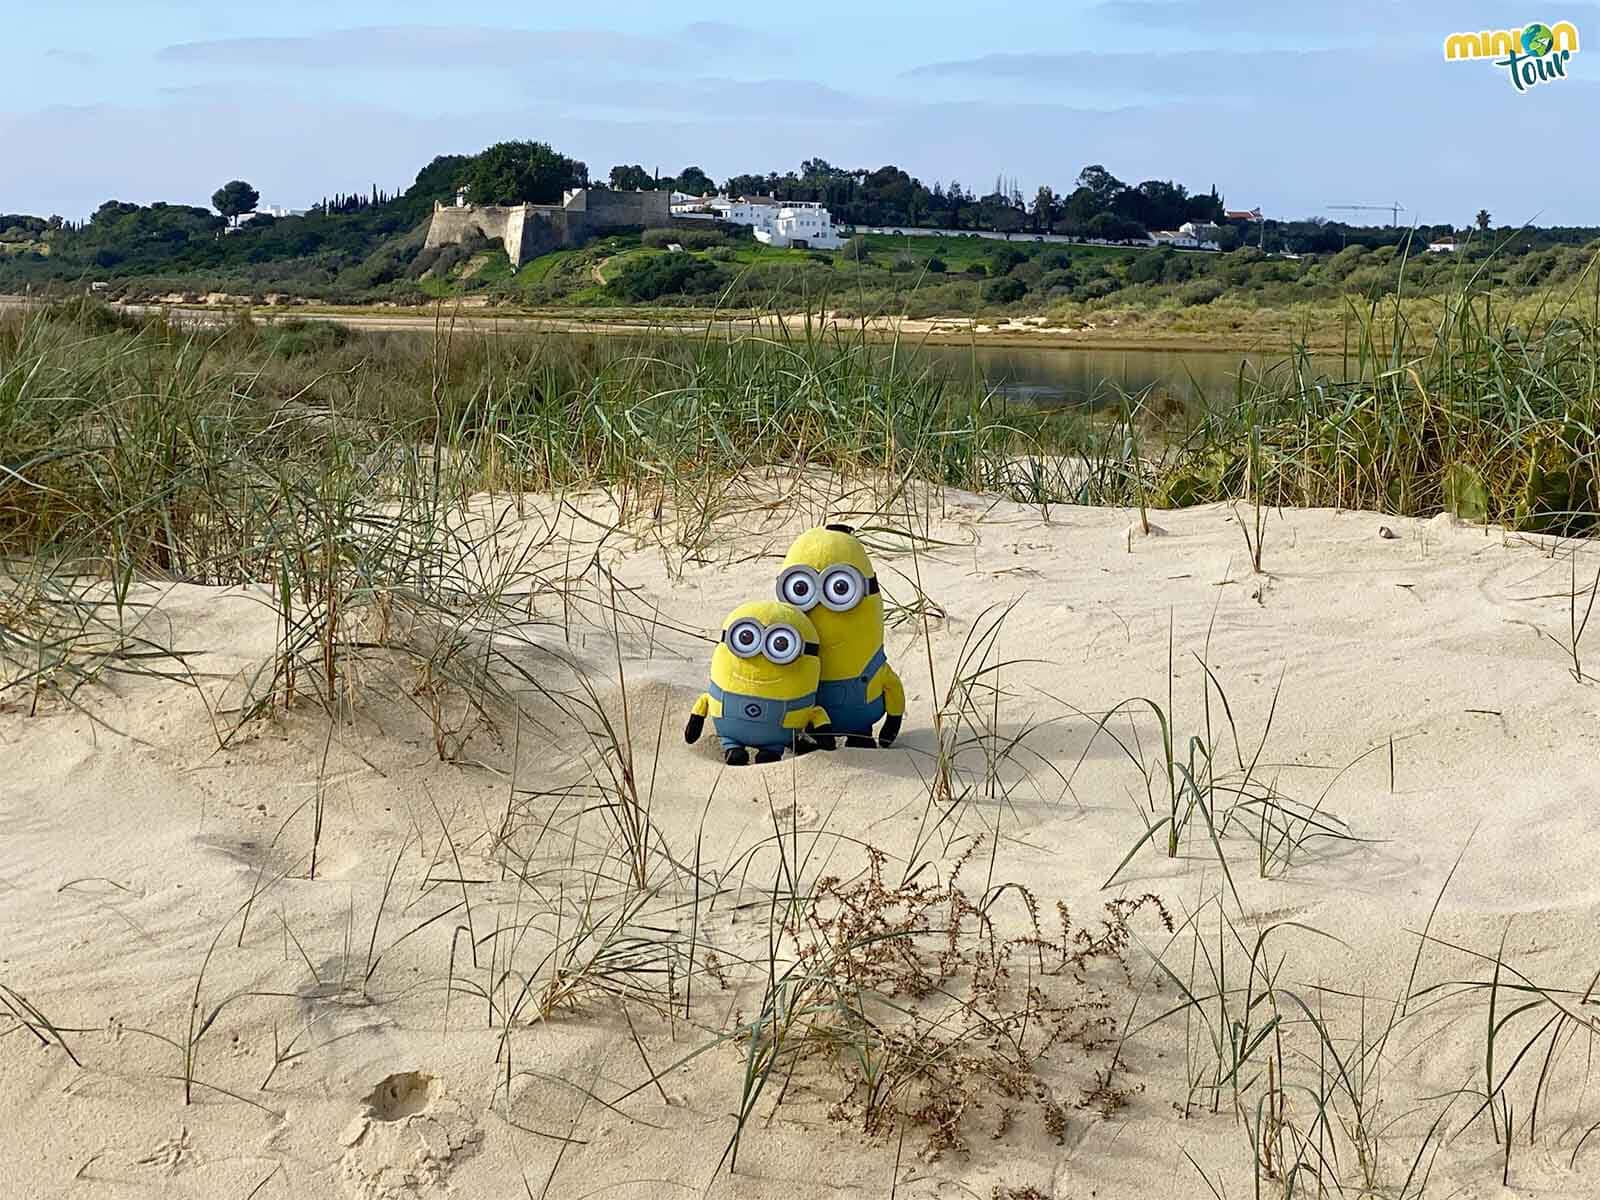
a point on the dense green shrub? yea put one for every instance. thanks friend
(1201, 291)
(1005, 291)
(1165, 265)
(689, 239)
(1095, 289)
(1028, 271)
(855, 249)
(1003, 258)
(666, 275)
(1062, 280)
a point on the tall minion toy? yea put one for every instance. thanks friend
(828, 576)
(764, 675)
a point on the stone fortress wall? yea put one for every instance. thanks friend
(529, 230)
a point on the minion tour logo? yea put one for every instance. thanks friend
(1535, 54)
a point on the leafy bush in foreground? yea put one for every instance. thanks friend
(665, 275)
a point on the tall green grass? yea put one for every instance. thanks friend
(1472, 414)
(171, 447)
(167, 449)
(332, 467)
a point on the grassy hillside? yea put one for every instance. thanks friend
(1243, 294)
(374, 253)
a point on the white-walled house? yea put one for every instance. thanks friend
(1180, 240)
(810, 224)
(693, 209)
(774, 222)
(1445, 245)
(755, 211)
(265, 210)
(1189, 236)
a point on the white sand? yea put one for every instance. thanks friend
(128, 840)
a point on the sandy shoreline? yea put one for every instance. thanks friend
(133, 843)
(1017, 332)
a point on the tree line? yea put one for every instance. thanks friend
(357, 234)
(1098, 205)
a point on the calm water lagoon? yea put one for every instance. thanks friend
(1066, 377)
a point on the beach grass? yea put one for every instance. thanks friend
(169, 450)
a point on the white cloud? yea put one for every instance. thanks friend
(458, 46)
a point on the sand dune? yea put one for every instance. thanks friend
(379, 1032)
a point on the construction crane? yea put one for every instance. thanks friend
(1394, 209)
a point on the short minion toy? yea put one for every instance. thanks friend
(828, 576)
(763, 683)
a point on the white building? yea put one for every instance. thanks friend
(1445, 245)
(693, 209)
(1189, 236)
(809, 225)
(265, 210)
(774, 222)
(758, 212)
(721, 208)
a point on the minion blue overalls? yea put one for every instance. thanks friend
(755, 722)
(845, 701)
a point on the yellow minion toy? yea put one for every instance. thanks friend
(828, 576)
(763, 684)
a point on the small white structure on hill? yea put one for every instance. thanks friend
(808, 225)
(1190, 235)
(264, 210)
(1445, 245)
(774, 222)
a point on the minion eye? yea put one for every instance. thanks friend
(744, 638)
(799, 586)
(843, 588)
(782, 645)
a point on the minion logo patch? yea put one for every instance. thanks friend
(752, 710)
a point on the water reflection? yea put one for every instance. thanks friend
(1069, 377)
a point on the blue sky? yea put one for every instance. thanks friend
(1286, 105)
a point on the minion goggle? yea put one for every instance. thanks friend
(839, 588)
(781, 644)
